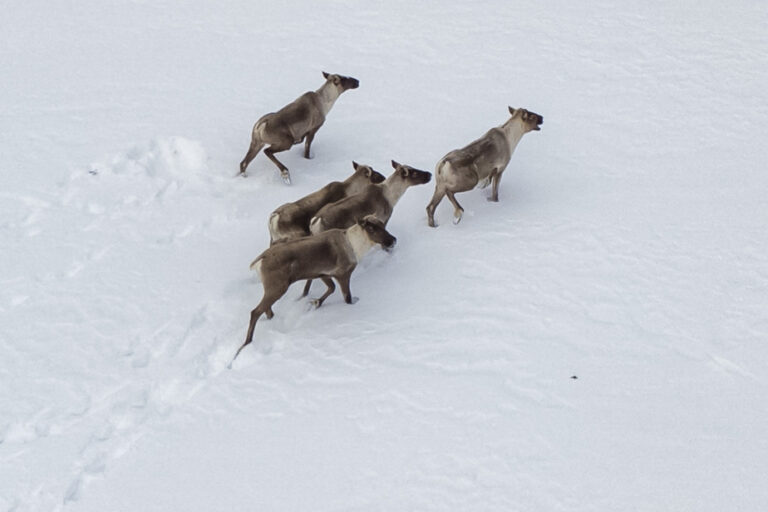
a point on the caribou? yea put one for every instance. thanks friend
(378, 200)
(333, 254)
(291, 220)
(481, 162)
(296, 122)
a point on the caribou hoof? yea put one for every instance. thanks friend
(316, 303)
(457, 218)
(286, 178)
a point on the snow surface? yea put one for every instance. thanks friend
(594, 341)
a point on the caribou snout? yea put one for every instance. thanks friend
(422, 176)
(539, 122)
(389, 243)
(350, 83)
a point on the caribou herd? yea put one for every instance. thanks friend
(326, 233)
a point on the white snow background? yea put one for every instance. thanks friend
(628, 249)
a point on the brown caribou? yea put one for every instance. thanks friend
(296, 122)
(332, 254)
(291, 220)
(378, 200)
(481, 162)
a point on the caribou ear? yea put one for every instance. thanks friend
(325, 75)
(511, 110)
(355, 165)
(395, 164)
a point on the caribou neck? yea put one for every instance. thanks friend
(359, 241)
(513, 131)
(394, 187)
(328, 95)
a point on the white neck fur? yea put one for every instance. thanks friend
(359, 241)
(514, 130)
(328, 94)
(394, 188)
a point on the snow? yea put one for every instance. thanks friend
(594, 341)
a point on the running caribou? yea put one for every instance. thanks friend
(332, 254)
(378, 200)
(291, 220)
(296, 122)
(481, 162)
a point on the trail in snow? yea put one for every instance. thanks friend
(115, 319)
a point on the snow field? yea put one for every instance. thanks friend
(628, 250)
